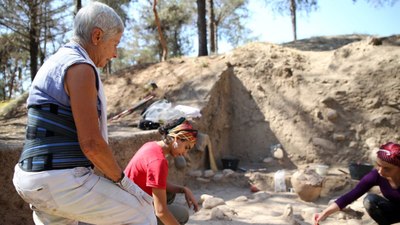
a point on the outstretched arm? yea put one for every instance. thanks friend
(332, 208)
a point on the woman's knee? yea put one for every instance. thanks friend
(180, 213)
(370, 201)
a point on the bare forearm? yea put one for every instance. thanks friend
(190, 199)
(161, 208)
(100, 154)
(332, 208)
(174, 188)
(167, 218)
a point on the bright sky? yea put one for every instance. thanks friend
(333, 17)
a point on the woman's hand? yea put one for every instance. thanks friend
(317, 218)
(190, 199)
(332, 208)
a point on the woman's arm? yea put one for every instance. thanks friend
(361, 188)
(80, 84)
(332, 208)
(161, 208)
(190, 199)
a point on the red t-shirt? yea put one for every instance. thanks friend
(148, 168)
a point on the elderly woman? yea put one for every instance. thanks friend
(383, 209)
(66, 135)
(149, 169)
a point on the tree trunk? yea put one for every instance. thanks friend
(107, 68)
(3, 92)
(293, 14)
(176, 51)
(216, 36)
(78, 6)
(13, 77)
(212, 39)
(160, 34)
(42, 53)
(33, 38)
(202, 27)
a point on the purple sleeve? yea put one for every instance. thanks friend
(366, 183)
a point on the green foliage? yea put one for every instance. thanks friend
(179, 25)
(140, 42)
(3, 104)
(283, 6)
(230, 15)
(39, 26)
(12, 107)
(119, 6)
(176, 17)
(13, 65)
(50, 20)
(380, 3)
(292, 7)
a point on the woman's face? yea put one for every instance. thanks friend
(105, 50)
(386, 169)
(182, 148)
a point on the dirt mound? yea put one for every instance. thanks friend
(321, 105)
(331, 106)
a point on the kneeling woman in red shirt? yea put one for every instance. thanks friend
(149, 170)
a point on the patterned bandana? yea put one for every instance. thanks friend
(184, 131)
(390, 153)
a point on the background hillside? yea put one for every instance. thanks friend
(325, 99)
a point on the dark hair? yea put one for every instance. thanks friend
(164, 130)
(180, 128)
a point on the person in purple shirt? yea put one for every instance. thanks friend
(383, 209)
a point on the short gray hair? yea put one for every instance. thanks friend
(99, 15)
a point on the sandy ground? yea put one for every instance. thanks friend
(242, 206)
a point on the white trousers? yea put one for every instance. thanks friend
(71, 195)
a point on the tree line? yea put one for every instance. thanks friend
(31, 30)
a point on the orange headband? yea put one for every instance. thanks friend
(184, 131)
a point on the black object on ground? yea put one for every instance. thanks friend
(230, 162)
(359, 170)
